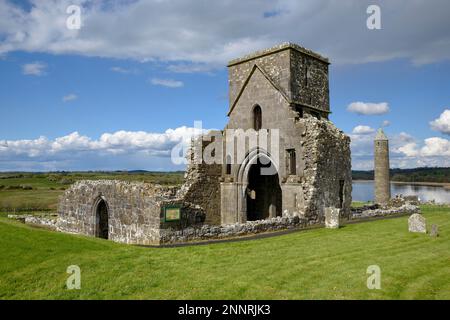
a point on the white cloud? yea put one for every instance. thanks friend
(151, 151)
(363, 130)
(187, 31)
(123, 70)
(167, 83)
(436, 146)
(409, 149)
(121, 149)
(34, 69)
(405, 151)
(433, 147)
(189, 68)
(70, 97)
(442, 124)
(385, 123)
(368, 108)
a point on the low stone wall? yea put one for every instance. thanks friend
(49, 221)
(396, 205)
(208, 232)
(375, 211)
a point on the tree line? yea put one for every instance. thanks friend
(424, 174)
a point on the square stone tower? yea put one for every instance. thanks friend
(283, 89)
(300, 75)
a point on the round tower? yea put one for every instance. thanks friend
(381, 168)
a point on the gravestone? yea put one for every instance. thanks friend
(434, 230)
(417, 223)
(332, 217)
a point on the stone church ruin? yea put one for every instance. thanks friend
(299, 167)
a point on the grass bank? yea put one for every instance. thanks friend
(313, 264)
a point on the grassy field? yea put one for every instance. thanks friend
(39, 192)
(313, 264)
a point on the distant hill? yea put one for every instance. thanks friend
(425, 174)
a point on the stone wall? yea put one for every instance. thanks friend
(207, 232)
(277, 67)
(134, 209)
(202, 185)
(46, 221)
(398, 205)
(327, 161)
(309, 81)
(375, 211)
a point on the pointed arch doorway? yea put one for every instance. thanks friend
(261, 194)
(101, 219)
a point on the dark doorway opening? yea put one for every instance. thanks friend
(263, 192)
(102, 220)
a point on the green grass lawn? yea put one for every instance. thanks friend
(313, 264)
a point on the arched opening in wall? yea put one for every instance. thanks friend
(257, 118)
(263, 192)
(102, 217)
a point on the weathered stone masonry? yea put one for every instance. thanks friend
(134, 210)
(290, 86)
(283, 88)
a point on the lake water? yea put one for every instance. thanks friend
(364, 191)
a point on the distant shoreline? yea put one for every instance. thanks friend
(430, 184)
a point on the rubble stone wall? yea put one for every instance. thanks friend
(202, 182)
(208, 232)
(327, 160)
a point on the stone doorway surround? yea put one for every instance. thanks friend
(243, 182)
(101, 216)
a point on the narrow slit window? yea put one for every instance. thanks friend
(228, 165)
(292, 162)
(257, 118)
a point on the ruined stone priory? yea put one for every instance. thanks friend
(381, 168)
(289, 166)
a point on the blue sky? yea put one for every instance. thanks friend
(121, 91)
